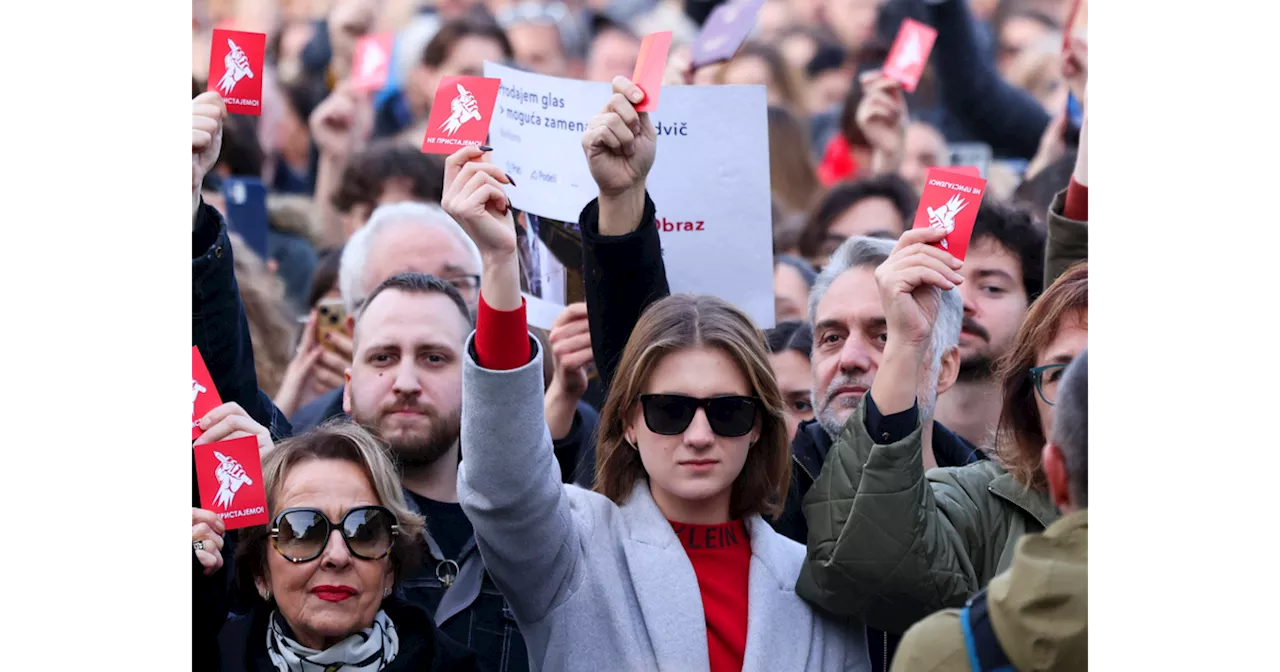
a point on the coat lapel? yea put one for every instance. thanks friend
(666, 586)
(773, 607)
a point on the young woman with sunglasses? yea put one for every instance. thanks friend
(325, 568)
(668, 564)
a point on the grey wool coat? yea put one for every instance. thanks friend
(595, 586)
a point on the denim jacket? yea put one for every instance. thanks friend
(220, 330)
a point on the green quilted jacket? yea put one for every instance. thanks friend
(890, 545)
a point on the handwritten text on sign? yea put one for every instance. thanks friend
(710, 181)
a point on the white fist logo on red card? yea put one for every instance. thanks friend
(372, 62)
(910, 54)
(950, 203)
(229, 477)
(204, 396)
(235, 69)
(460, 114)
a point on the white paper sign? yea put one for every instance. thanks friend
(710, 180)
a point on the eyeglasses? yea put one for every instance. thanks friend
(301, 534)
(671, 414)
(1046, 381)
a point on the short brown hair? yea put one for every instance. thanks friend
(672, 324)
(1019, 438)
(334, 440)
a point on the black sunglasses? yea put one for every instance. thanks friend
(301, 534)
(670, 414)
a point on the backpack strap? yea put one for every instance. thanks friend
(985, 652)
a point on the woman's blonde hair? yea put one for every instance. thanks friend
(271, 330)
(672, 324)
(338, 439)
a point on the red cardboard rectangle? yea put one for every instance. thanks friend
(372, 62)
(204, 396)
(650, 66)
(971, 171)
(460, 114)
(236, 62)
(910, 53)
(950, 202)
(229, 476)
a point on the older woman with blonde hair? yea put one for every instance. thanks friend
(325, 569)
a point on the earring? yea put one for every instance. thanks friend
(267, 595)
(386, 592)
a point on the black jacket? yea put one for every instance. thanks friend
(243, 642)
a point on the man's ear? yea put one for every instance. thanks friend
(1055, 472)
(950, 369)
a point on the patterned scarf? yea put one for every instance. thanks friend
(369, 650)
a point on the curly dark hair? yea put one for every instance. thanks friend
(1014, 228)
(845, 195)
(368, 172)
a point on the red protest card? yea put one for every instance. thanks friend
(204, 396)
(950, 202)
(372, 62)
(229, 475)
(650, 65)
(460, 114)
(971, 171)
(910, 53)
(236, 60)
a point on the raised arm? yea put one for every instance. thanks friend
(622, 252)
(1068, 239)
(509, 481)
(998, 113)
(219, 327)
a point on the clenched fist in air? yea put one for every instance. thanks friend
(207, 114)
(620, 145)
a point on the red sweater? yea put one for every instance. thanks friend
(721, 554)
(721, 557)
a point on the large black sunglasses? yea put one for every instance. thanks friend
(301, 534)
(670, 414)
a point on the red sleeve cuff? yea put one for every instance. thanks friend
(502, 337)
(1076, 208)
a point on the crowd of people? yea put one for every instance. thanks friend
(893, 476)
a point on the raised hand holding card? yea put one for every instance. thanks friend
(950, 202)
(236, 62)
(229, 476)
(204, 396)
(460, 114)
(649, 68)
(910, 54)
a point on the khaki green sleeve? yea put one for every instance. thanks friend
(935, 644)
(886, 544)
(1068, 241)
